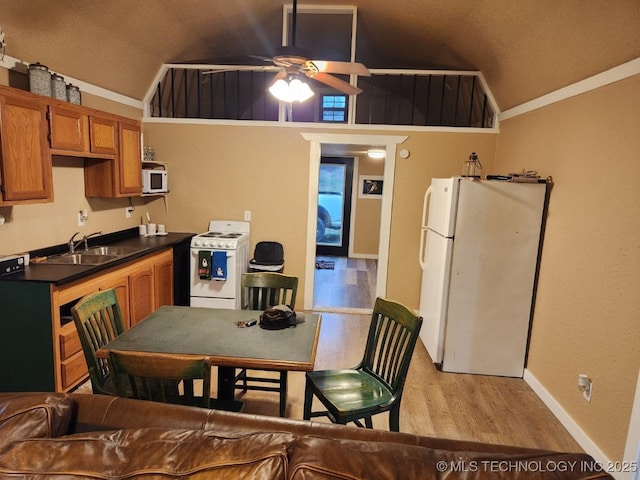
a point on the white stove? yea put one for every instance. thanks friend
(219, 257)
(226, 235)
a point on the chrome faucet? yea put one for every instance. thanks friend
(87, 237)
(72, 244)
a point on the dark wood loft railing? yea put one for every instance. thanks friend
(447, 99)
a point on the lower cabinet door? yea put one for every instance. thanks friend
(163, 274)
(141, 294)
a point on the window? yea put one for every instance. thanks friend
(334, 108)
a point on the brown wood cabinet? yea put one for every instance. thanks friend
(129, 170)
(163, 283)
(33, 128)
(103, 135)
(139, 286)
(25, 163)
(141, 293)
(83, 132)
(122, 175)
(68, 129)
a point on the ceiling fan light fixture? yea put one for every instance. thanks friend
(291, 90)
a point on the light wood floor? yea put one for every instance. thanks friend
(351, 283)
(468, 407)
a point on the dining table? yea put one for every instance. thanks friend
(222, 335)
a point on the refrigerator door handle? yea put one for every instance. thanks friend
(423, 228)
(425, 210)
(423, 238)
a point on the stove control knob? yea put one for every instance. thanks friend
(197, 243)
(220, 244)
(211, 243)
(229, 244)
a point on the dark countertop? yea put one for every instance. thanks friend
(62, 274)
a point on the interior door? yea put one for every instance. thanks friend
(334, 206)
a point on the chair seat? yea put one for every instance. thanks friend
(350, 391)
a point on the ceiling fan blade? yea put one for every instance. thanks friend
(262, 57)
(241, 68)
(334, 82)
(348, 68)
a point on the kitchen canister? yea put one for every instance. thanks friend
(58, 87)
(73, 94)
(148, 154)
(39, 79)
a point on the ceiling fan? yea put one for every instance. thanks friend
(295, 63)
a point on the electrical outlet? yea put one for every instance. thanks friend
(127, 212)
(80, 219)
(247, 215)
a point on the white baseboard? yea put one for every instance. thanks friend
(569, 423)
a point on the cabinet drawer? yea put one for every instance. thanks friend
(69, 342)
(73, 369)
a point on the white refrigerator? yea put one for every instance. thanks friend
(479, 254)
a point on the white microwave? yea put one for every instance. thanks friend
(154, 181)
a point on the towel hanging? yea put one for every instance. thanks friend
(204, 264)
(219, 271)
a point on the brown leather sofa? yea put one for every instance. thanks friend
(47, 435)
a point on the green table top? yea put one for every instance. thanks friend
(212, 332)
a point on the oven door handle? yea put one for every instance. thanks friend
(229, 253)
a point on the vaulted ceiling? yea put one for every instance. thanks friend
(524, 48)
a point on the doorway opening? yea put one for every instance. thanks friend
(327, 144)
(347, 239)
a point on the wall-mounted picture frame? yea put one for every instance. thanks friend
(370, 186)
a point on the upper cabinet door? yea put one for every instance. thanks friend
(104, 135)
(25, 162)
(130, 159)
(67, 127)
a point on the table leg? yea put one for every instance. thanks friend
(226, 390)
(283, 392)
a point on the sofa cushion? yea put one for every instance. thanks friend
(151, 452)
(316, 458)
(33, 415)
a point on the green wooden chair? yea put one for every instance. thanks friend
(376, 384)
(261, 290)
(157, 377)
(98, 320)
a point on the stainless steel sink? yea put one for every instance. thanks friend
(112, 250)
(94, 255)
(81, 259)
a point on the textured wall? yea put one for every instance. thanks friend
(587, 317)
